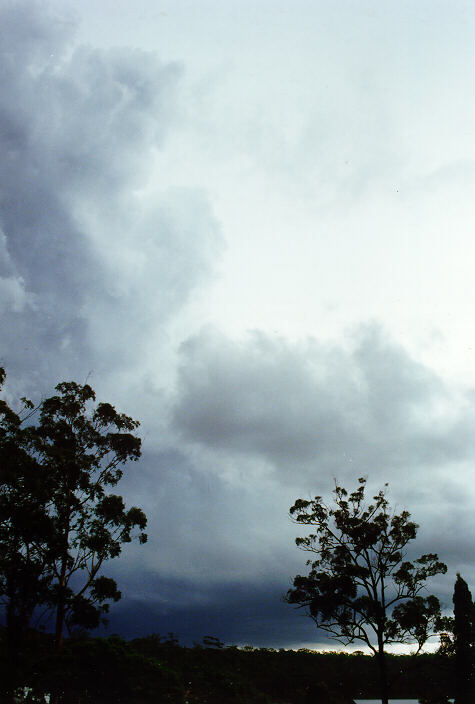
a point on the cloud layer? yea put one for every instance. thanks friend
(102, 256)
(362, 407)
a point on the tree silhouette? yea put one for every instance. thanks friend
(360, 587)
(463, 641)
(58, 471)
(26, 532)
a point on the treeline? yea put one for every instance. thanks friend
(153, 669)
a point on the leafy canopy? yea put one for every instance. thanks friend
(57, 519)
(360, 586)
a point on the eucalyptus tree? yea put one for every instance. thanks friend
(83, 449)
(59, 469)
(360, 586)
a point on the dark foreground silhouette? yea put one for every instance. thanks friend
(155, 669)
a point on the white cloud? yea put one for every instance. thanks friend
(12, 294)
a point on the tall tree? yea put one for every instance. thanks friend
(63, 465)
(463, 641)
(360, 587)
(84, 450)
(25, 530)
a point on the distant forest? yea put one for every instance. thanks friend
(154, 669)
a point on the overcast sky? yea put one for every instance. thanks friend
(250, 226)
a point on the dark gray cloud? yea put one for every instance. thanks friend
(296, 415)
(365, 406)
(237, 613)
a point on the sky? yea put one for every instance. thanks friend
(249, 226)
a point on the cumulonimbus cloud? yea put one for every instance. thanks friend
(107, 258)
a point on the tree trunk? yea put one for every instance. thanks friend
(61, 605)
(60, 609)
(383, 675)
(60, 618)
(17, 623)
(12, 656)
